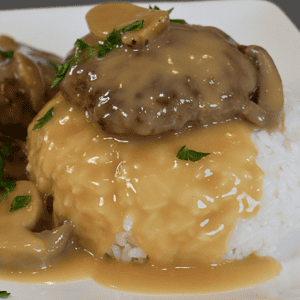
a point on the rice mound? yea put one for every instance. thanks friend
(279, 214)
(77, 194)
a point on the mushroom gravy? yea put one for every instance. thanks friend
(97, 202)
(181, 73)
(192, 278)
(182, 213)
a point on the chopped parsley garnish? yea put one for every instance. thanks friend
(112, 42)
(136, 26)
(4, 294)
(6, 150)
(6, 185)
(9, 186)
(185, 154)
(45, 119)
(1, 168)
(157, 8)
(19, 202)
(61, 70)
(7, 54)
(179, 21)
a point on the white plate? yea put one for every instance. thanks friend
(248, 22)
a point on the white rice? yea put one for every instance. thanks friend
(126, 249)
(279, 214)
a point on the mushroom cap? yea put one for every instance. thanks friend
(104, 18)
(20, 248)
(25, 82)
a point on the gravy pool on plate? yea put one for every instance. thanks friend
(109, 139)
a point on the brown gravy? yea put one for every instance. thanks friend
(184, 73)
(182, 277)
(180, 210)
(194, 278)
(58, 168)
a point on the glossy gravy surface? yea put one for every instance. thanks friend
(173, 221)
(189, 73)
(193, 278)
(182, 212)
(179, 209)
(161, 78)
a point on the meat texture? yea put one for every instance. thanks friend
(186, 74)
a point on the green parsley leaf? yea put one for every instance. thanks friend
(4, 294)
(6, 150)
(185, 154)
(170, 10)
(112, 41)
(179, 21)
(80, 45)
(9, 186)
(61, 70)
(83, 46)
(1, 167)
(19, 202)
(45, 119)
(7, 54)
(155, 7)
(136, 26)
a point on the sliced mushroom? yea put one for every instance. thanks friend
(25, 82)
(155, 22)
(32, 77)
(20, 247)
(270, 93)
(7, 43)
(103, 18)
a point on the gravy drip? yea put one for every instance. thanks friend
(179, 210)
(193, 278)
(57, 164)
(182, 212)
